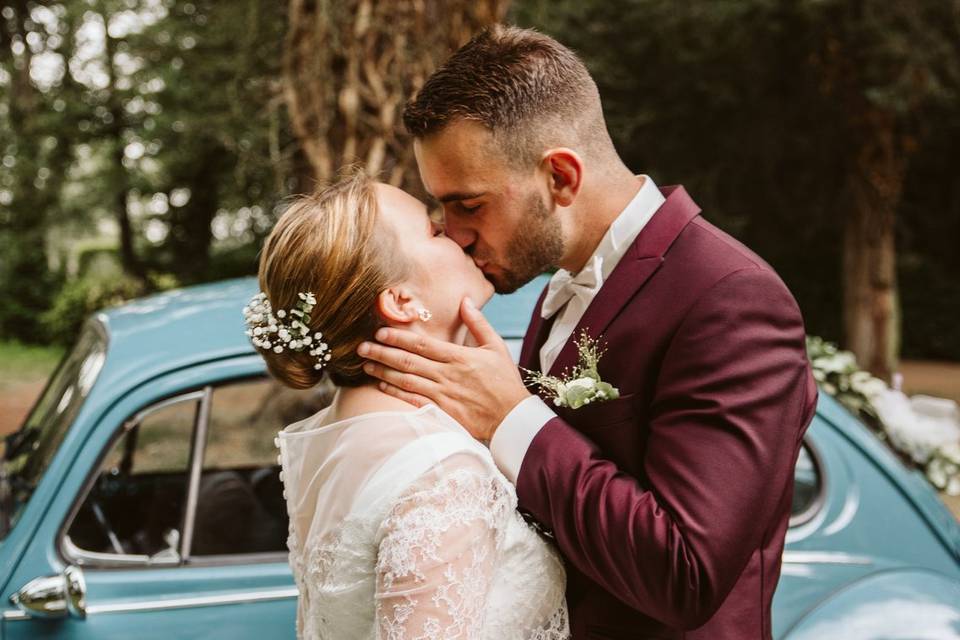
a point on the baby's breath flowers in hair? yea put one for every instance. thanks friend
(285, 329)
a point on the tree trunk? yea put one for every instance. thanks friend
(871, 311)
(118, 175)
(349, 66)
(24, 277)
(191, 233)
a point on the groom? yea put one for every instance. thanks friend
(670, 503)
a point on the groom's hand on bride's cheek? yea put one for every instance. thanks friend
(478, 385)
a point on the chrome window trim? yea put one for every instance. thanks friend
(824, 557)
(15, 614)
(163, 404)
(98, 560)
(198, 446)
(93, 561)
(265, 595)
(84, 558)
(227, 559)
(820, 499)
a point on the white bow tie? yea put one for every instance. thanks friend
(564, 286)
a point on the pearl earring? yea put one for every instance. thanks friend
(424, 314)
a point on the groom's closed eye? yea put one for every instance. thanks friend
(467, 209)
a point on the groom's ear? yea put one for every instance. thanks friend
(565, 169)
(396, 305)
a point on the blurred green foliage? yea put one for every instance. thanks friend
(753, 106)
(21, 363)
(151, 129)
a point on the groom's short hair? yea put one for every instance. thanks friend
(529, 90)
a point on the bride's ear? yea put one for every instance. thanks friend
(396, 305)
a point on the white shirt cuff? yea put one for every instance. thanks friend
(513, 437)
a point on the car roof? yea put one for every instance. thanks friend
(180, 327)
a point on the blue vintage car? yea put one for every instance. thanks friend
(141, 497)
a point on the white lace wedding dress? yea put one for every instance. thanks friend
(402, 527)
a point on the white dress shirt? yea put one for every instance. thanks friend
(513, 437)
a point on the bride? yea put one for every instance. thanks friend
(401, 526)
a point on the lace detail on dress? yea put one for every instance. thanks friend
(557, 627)
(437, 555)
(426, 545)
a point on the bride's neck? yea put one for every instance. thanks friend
(349, 402)
(353, 401)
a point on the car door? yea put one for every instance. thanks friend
(179, 529)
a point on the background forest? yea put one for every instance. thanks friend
(148, 144)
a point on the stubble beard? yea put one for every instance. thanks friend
(536, 246)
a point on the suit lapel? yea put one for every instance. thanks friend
(638, 264)
(536, 335)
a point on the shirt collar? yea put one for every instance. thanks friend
(627, 226)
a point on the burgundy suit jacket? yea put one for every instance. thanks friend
(670, 504)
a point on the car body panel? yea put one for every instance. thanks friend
(121, 599)
(873, 518)
(908, 604)
(868, 521)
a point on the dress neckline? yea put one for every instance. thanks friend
(287, 433)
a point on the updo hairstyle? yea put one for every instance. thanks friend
(330, 243)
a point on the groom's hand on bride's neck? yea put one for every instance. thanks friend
(477, 385)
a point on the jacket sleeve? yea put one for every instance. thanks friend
(733, 397)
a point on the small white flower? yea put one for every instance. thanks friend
(586, 384)
(277, 349)
(257, 331)
(281, 314)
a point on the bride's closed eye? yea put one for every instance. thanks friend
(436, 229)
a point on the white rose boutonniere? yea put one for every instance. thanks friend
(583, 385)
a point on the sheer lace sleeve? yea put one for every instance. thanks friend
(438, 550)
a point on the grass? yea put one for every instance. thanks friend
(21, 363)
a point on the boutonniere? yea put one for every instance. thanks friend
(583, 384)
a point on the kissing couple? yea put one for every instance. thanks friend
(443, 494)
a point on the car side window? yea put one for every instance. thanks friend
(807, 487)
(194, 476)
(135, 506)
(240, 504)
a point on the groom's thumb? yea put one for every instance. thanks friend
(481, 330)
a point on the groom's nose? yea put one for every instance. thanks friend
(463, 236)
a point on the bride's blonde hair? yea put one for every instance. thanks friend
(330, 243)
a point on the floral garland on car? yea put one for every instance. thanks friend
(837, 373)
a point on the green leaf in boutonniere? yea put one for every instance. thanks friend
(583, 385)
